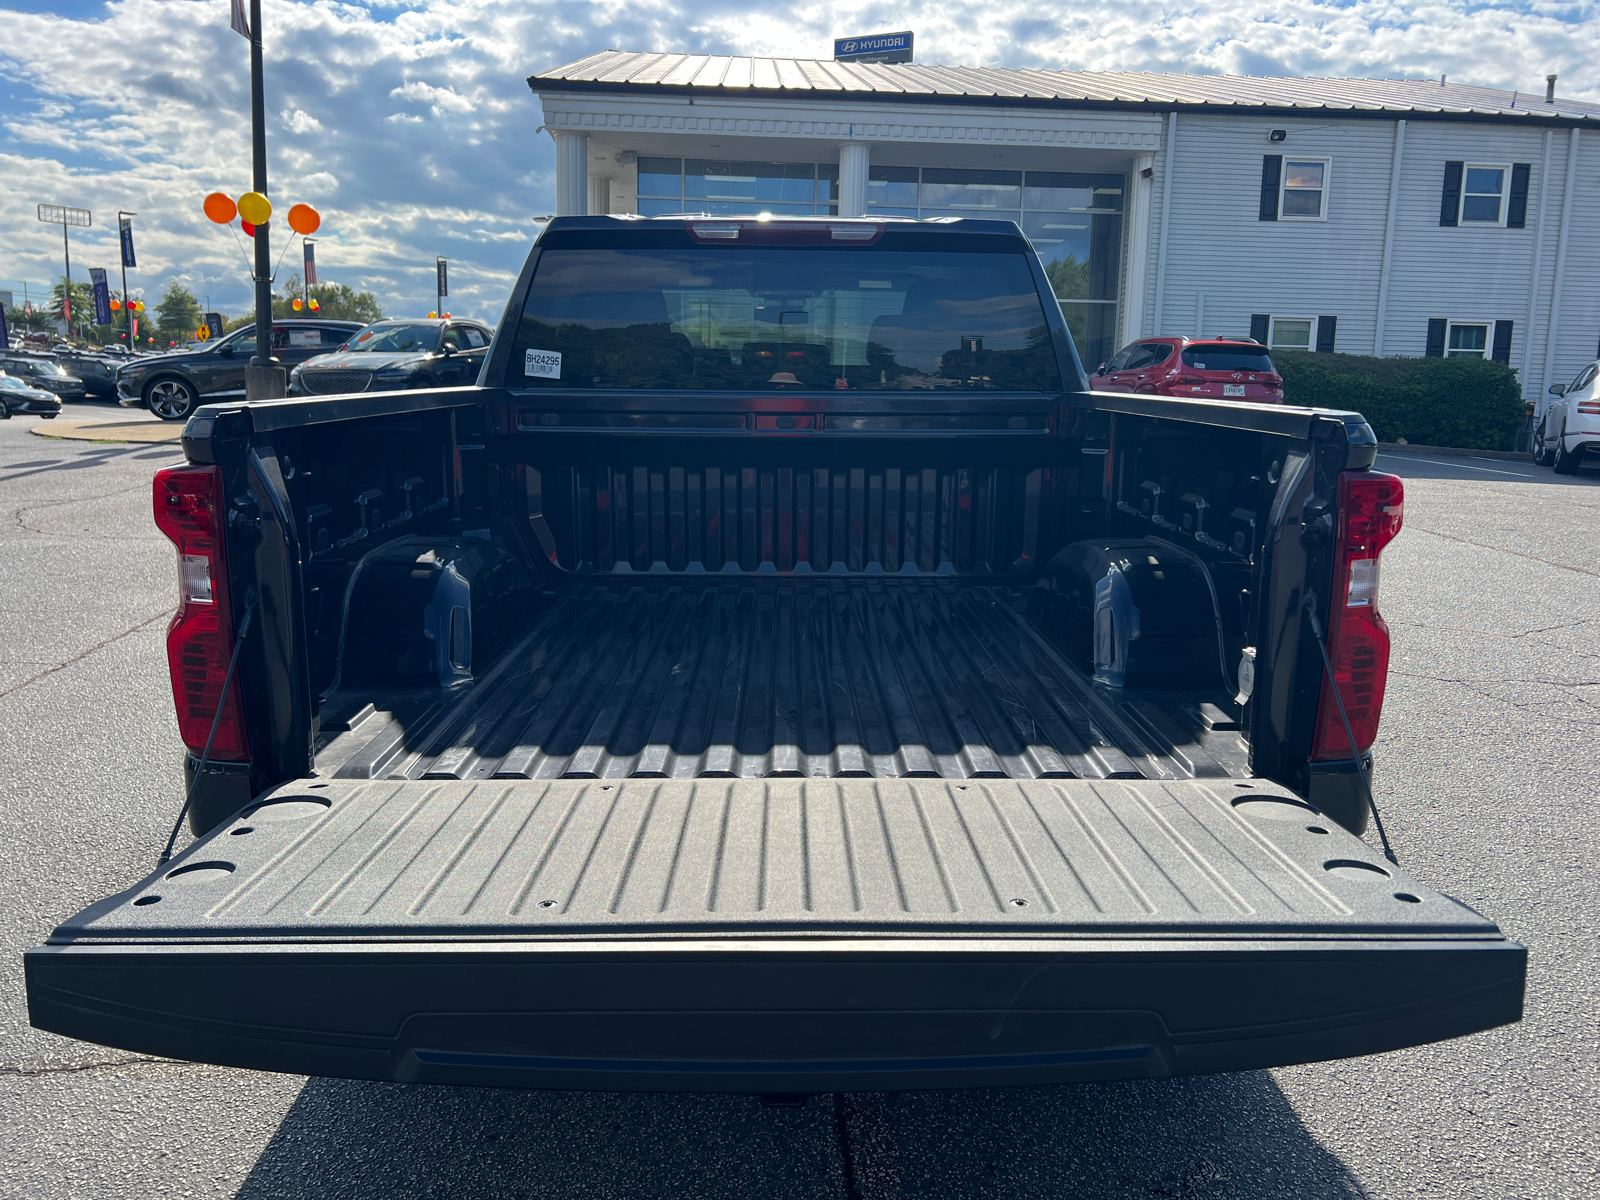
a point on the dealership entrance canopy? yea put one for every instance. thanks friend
(1077, 159)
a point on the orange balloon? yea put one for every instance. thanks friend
(220, 207)
(116, 306)
(295, 304)
(304, 219)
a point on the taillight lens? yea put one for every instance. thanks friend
(1371, 507)
(189, 510)
(1591, 407)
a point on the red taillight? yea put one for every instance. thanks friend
(1592, 407)
(189, 510)
(1370, 512)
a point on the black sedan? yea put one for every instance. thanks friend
(42, 371)
(20, 398)
(390, 355)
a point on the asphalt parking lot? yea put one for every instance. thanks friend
(1488, 758)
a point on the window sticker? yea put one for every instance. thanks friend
(305, 337)
(543, 364)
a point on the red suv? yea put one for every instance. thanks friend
(1212, 368)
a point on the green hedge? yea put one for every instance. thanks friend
(1467, 402)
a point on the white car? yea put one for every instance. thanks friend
(1569, 430)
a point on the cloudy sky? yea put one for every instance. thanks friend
(408, 123)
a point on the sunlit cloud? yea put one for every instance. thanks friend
(409, 123)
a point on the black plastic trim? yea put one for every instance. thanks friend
(781, 1015)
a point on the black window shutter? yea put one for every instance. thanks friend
(1259, 323)
(1502, 342)
(1325, 334)
(1450, 201)
(1271, 171)
(1435, 337)
(1517, 210)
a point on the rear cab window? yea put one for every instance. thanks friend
(913, 311)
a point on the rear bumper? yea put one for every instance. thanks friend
(33, 408)
(783, 1014)
(1582, 443)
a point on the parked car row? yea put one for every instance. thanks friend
(42, 372)
(324, 358)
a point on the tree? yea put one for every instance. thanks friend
(335, 301)
(28, 319)
(82, 302)
(1069, 277)
(177, 314)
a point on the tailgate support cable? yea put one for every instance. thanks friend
(222, 699)
(1361, 762)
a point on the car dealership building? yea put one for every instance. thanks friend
(1391, 217)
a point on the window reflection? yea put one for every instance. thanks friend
(782, 319)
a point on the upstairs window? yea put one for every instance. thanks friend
(1305, 190)
(1483, 194)
(1294, 188)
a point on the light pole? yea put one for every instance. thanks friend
(53, 214)
(263, 381)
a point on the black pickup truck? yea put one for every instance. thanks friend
(778, 674)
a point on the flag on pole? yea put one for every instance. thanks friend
(102, 296)
(125, 228)
(311, 263)
(241, 19)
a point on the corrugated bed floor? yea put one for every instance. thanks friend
(882, 677)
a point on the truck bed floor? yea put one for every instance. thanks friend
(706, 677)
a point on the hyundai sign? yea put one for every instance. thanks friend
(879, 48)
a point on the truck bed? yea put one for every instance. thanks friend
(704, 676)
(774, 935)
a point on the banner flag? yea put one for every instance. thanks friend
(214, 323)
(5, 331)
(311, 264)
(241, 20)
(126, 226)
(444, 277)
(102, 296)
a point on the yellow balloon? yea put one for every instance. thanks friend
(255, 208)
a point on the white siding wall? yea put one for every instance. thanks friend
(1218, 246)
(1469, 273)
(1578, 332)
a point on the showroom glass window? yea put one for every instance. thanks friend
(1073, 219)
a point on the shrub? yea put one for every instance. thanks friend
(1466, 402)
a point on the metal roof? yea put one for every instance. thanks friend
(710, 74)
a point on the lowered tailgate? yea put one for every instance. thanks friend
(774, 935)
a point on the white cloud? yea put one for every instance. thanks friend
(318, 185)
(423, 123)
(300, 121)
(443, 100)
